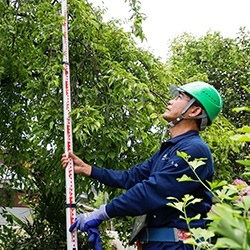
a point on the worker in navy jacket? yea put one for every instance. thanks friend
(148, 185)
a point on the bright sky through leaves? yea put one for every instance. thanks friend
(167, 19)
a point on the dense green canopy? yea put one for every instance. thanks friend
(119, 92)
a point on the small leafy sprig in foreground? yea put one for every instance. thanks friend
(229, 216)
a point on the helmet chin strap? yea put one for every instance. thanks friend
(171, 124)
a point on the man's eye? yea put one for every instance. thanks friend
(178, 96)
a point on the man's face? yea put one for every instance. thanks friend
(175, 107)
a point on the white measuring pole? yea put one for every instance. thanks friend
(68, 142)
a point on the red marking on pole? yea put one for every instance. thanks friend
(69, 171)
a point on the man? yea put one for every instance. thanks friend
(195, 106)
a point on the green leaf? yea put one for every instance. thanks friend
(177, 205)
(201, 233)
(241, 138)
(185, 178)
(246, 202)
(216, 184)
(154, 116)
(225, 242)
(196, 200)
(241, 109)
(244, 129)
(197, 163)
(51, 124)
(244, 162)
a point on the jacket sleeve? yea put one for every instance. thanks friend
(152, 193)
(123, 179)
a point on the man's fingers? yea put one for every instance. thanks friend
(64, 160)
(71, 155)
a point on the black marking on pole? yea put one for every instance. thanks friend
(69, 205)
(65, 63)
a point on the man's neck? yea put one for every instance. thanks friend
(183, 127)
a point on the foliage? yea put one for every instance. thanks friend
(223, 149)
(112, 105)
(223, 62)
(28, 234)
(196, 234)
(243, 137)
(118, 93)
(231, 222)
(229, 217)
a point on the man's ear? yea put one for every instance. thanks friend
(195, 111)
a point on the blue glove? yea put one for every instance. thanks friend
(94, 238)
(90, 220)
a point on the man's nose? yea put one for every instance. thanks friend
(170, 102)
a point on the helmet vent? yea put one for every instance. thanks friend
(209, 96)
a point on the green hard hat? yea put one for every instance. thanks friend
(206, 95)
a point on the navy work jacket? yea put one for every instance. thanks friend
(150, 183)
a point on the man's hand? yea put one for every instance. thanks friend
(89, 223)
(80, 167)
(84, 222)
